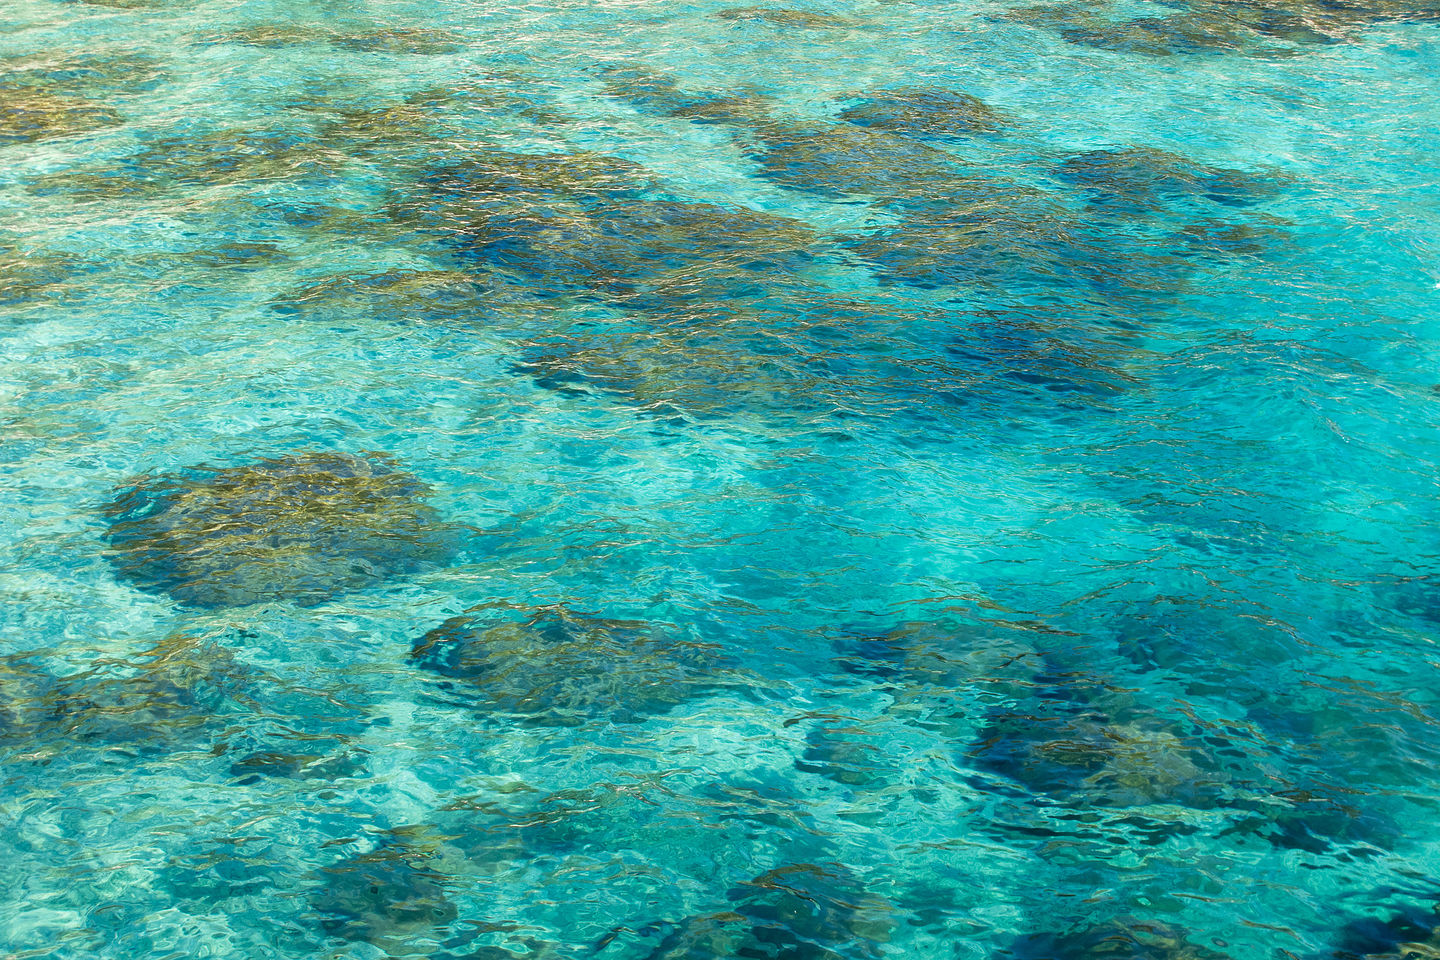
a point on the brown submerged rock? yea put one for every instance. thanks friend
(548, 666)
(302, 528)
(172, 693)
(1146, 178)
(924, 111)
(424, 295)
(388, 896)
(800, 911)
(1116, 940)
(848, 160)
(30, 115)
(785, 17)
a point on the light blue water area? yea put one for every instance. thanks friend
(681, 480)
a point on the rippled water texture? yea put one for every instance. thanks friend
(834, 480)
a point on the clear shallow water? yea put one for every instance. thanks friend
(849, 521)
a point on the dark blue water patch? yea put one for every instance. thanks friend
(302, 528)
(1414, 932)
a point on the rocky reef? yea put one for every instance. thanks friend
(301, 528)
(784, 17)
(1120, 939)
(386, 896)
(924, 112)
(800, 911)
(549, 666)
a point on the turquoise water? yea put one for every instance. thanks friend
(692, 481)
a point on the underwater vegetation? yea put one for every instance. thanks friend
(300, 528)
(548, 666)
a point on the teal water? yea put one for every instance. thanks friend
(680, 480)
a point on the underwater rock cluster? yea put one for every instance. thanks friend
(800, 911)
(301, 528)
(784, 17)
(386, 895)
(1266, 28)
(1121, 939)
(548, 666)
(925, 112)
(390, 40)
(584, 223)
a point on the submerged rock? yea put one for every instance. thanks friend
(845, 753)
(252, 767)
(30, 115)
(91, 75)
(692, 372)
(1115, 940)
(736, 109)
(784, 17)
(29, 275)
(1059, 745)
(1144, 178)
(301, 528)
(800, 911)
(924, 111)
(401, 40)
(1266, 28)
(586, 223)
(806, 910)
(173, 693)
(179, 164)
(847, 160)
(385, 897)
(425, 295)
(548, 666)
(927, 656)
